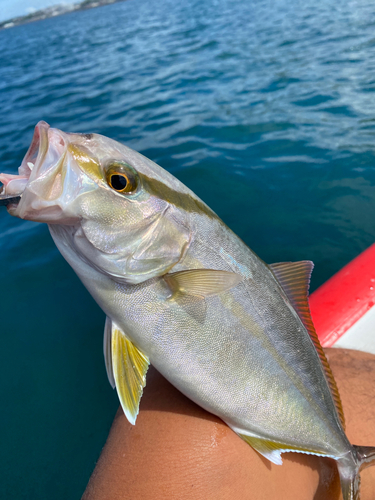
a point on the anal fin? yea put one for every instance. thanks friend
(272, 450)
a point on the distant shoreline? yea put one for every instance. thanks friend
(55, 10)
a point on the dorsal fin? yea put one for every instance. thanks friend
(294, 277)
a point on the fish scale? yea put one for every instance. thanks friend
(181, 291)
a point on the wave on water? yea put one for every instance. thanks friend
(265, 109)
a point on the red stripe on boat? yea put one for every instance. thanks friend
(345, 298)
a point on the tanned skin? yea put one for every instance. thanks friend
(177, 451)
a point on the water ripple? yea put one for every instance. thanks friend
(265, 109)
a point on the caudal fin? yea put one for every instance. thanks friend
(363, 457)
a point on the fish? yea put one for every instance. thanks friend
(182, 292)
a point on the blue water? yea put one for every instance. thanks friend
(265, 109)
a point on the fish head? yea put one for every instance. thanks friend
(117, 210)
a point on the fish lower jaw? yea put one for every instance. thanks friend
(13, 185)
(11, 191)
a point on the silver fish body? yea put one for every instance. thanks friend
(181, 291)
(227, 356)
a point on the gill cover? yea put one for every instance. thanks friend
(137, 246)
(122, 214)
(126, 230)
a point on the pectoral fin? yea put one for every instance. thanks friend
(129, 367)
(201, 282)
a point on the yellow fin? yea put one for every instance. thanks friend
(130, 366)
(272, 451)
(202, 282)
(107, 349)
(294, 277)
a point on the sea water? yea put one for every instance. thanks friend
(265, 109)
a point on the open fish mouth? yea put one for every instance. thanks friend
(14, 185)
(9, 199)
(47, 180)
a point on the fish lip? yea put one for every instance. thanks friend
(37, 150)
(35, 155)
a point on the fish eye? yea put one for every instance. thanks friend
(118, 181)
(122, 178)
